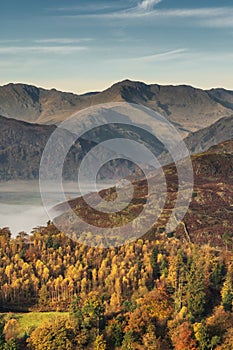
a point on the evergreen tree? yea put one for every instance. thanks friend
(2, 336)
(154, 262)
(196, 292)
(11, 344)
(128, 341)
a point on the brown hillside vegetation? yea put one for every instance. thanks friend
(209, 217)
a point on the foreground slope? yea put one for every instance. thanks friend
(209, 219)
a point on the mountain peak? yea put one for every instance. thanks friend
(189, 108)
(18, 86)
(128, 82)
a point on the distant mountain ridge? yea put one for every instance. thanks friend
(22, 145)
(190, 109)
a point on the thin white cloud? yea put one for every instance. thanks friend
(203, 12)
(41, 49)
(62, 41)
(144, 7)
(161, 56)
(100, 6)
(168, 55)
(88, 7)
(210, 16)
(219, 22)
(148, 5)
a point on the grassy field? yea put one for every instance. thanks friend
(31, 320)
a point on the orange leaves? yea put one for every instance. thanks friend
(182, 337)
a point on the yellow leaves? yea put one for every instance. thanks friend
(172, 270)
(94, 275)
(26, 268)
(183, 312)
(158, 304)
(160, 257)
(100, 343)
(196, 328)
(8, 271)
(227, 286)
(45, 274)
(39, 266)
(84, 284)
(115, 302)
(56, 335)
(17, 284)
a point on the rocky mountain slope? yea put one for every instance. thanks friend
(22, 145)
(202, 140)
(190, 109)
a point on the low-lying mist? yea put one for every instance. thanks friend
(21, 207)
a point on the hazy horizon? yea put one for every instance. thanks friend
(89, 45)
(118, 81)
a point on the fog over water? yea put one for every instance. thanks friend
(21, 206)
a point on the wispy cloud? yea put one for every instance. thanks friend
(100, 6)
(167, 55)
(203, 12)
(225, 21)
(143, 8)
(41, 49)
(62, 41)
(206, 16)
(88, 7)
(148, 5)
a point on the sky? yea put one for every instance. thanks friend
(88, 45)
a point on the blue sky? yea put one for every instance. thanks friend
(88, 45)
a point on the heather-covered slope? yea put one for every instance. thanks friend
(209, 219)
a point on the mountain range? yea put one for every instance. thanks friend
(189, 108)
(204, 118)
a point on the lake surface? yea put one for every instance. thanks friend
(21, 207)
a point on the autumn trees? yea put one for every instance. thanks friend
(146, 295)
(58, 335)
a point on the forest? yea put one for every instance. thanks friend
(158, 294)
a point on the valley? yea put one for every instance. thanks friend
(163, 290)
